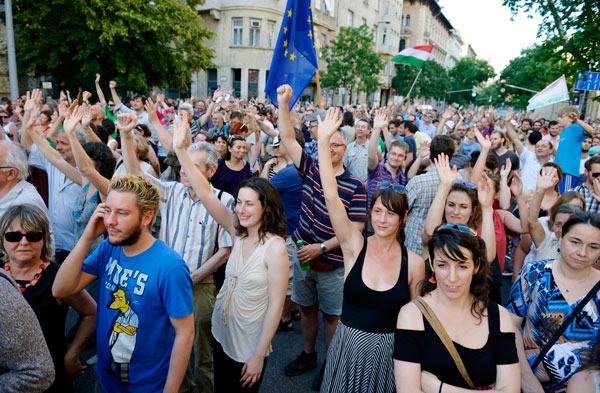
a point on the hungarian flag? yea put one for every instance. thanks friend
(414, 56)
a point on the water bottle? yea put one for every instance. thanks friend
(303, 265)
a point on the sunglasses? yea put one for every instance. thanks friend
(459, 227)
(384, 185)
(3, 117)
(233, 138)
(595, 174)
(15, 237)
(467, 184)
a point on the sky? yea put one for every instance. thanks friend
(487, 26)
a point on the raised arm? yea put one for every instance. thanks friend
(478, 169)
(485, 194)
(84, 162)
(164, 136)
(125, 123)
(545, 182)
(435, 214)
(86, 121)
(286, 129)
(113, 91)
(447, 115)
(347, 235)
(505, 195)
(211, 107)
(381, 122)
(31, 104)
(225, 217)
(511, 132)
(414, 168)
(99, 91)
(512, 223)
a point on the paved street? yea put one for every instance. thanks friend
(286, 346)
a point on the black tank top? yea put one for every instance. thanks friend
(369, 310)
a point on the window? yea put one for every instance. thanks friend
(407, 20)
(364, 21)
(252, 83)
(402, 45)
(236, 77)
(384, 36)
(350, 19)
(238, 31)
(322, 44)
(254, 32)
(271, 37)
(212, 80)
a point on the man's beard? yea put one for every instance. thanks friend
(129, 240)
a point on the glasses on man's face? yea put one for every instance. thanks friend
(595, 174)
(458, 227)
(15, 237)
(384, 185)
(3, 117)
(335, 145)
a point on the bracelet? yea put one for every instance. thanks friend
(441, 384)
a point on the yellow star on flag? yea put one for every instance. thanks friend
(289, 13)
(310, 34)
(285, 42)
(292, 57)
(285, 53)
(285, 29)
(308, 20)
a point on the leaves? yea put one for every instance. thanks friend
(138, 44)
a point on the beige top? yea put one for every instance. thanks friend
(242, 302)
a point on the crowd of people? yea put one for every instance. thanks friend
(185, 233)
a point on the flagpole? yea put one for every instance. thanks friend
(319, 97)
(415, 81)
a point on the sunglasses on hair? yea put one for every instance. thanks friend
(458, 227)
(15, 237)
(467, 184)
(384, 185)
(235, 138)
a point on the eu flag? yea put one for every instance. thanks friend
(294, 59)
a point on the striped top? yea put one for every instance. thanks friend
(315, 226)
(186, 226)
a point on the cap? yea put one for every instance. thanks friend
(313, 116)
(276, 141)
(594, 150)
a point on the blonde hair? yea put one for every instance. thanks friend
(146, 193)
(141, 147)
(568, 109)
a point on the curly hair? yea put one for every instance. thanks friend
(146, 193)
(452, 243)
(394, 201)
(273, 219)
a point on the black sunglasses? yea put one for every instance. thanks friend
(595, 174)
(15, 237)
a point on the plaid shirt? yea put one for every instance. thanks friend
(591, 204)
(421, 191)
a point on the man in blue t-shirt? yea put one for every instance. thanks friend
(144, 324)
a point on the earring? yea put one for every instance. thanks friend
(432, 279)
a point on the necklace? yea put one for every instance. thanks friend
(33, 281)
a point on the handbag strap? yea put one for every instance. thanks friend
(441, 332)
(565, 325)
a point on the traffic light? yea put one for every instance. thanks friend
(503, 84)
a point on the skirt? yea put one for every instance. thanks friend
(359, 362)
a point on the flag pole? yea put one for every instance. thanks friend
(319, 97)
(415, 81)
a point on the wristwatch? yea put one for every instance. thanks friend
(323, 248)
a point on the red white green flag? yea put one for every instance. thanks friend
(414, 56)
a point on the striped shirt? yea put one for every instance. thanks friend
(315, 226)
(186, 226)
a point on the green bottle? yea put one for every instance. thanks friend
(303, 265)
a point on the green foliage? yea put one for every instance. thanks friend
(134, 42)
(570, 29)
(468, 73)
(432, 83)
(352, 61)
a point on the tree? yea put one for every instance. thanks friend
(138, 43)
(468, 73)
(570, 28)
(352, 61)
(432, 83)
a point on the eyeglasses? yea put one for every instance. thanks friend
(15, 237)
(111, 104)
(233, 138)
(459, 227)
(384, 185)
(335, 145)
(467, 184)
(595, 174)
(3, 117)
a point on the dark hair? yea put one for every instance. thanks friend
(48, 113)
(476, 213)
(394, 201)
(452, 243)
(347, 119)
(144, 129)
(566, 197)
(102, 156)
(140, 96)
(33, 219)
(441, 144)
(588, 218)
(217, 137)
(410, 126)
(230, 142)
(109, 125)
(552, 123)
(562, 209)
(396, 122)
(236, 115)
(592, 160)
(273, 220)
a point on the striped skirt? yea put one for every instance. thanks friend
(359, 362)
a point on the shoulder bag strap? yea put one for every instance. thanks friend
(565, 325)
(439, 330)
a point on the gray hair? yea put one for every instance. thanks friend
(16, 157)
(212, 157)
(187, 107)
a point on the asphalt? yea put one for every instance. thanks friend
(286, 347)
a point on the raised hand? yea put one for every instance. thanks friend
(486, 191)
(33, 99)
(87, 116)
(447, 175)
(73, 119)
(97, 78)
(381, 119)
(112, 84)
(284, 94)
(424, 152)
(448, 113)
(547, 179)
(126, 122)
(180, 132)
(150, 107)
(329, 125)
(510, 114)
(484, 142)
(505, 169)
(516, 185)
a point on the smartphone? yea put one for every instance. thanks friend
(218, 87)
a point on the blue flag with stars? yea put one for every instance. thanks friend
(294, 59)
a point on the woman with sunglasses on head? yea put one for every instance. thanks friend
(470, 204)
(479, 329)
(555, 306)
(381, 275)
(25, 241)
(232, 169)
